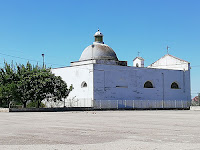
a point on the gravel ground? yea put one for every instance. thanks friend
(98, 130)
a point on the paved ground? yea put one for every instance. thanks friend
(99, 130)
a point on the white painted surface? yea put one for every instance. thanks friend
(109, 83)
(98, 51)
(108, 80)
(100, 61)
(98, 33)
(4, 109)
(138, 62)
(170, 62)
(194, 107)
(76, 75)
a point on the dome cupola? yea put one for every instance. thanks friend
(98, 37)
(98, 50)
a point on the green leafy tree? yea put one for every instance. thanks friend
(8, 79)
(24, 87)
(37, 84)
(48, 86)
(30, 83)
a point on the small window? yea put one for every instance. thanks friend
(174, 85)
(148, 84)
(121, 86)
(83, 84)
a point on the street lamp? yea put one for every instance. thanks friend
(43, 60)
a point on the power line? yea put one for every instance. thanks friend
(29, 59)
(196, 66)
(66, 66)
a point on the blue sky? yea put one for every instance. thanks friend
(61, 29)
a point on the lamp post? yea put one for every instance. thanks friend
(43, 60)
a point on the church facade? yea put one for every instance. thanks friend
(100, 80)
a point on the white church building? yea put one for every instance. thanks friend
(101, 81)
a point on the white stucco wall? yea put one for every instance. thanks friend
(127, 83)
(139, 62)
(79, 96)
(170, 62)
(110, 83)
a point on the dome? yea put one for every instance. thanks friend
(98, 33)
(98, 51)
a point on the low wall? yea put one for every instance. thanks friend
(44, 109)
(194, 107)
(78, 109)
(49, 109)
(4, 109)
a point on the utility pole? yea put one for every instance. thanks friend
(43, 60)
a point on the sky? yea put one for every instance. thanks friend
(62, 29)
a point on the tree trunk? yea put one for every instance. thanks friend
(7, 103)
(24, 104)
(38, 104)
(0, 102)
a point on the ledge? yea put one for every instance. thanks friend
(45, 109)
(84, 109)
(194, 107)
(4, 110)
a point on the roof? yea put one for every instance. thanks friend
(140, 58)
(98, 33)
(170, 56)
(98, 51)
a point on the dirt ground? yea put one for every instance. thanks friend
(101, 130)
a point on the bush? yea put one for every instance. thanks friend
(34, 105)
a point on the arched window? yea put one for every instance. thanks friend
(83, 84)
(174, 85)
(148, 84)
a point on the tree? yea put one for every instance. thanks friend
(30, 83)
(24, 87)
(48, 86)
(7, 85)
(196, 100)
(60, 90)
